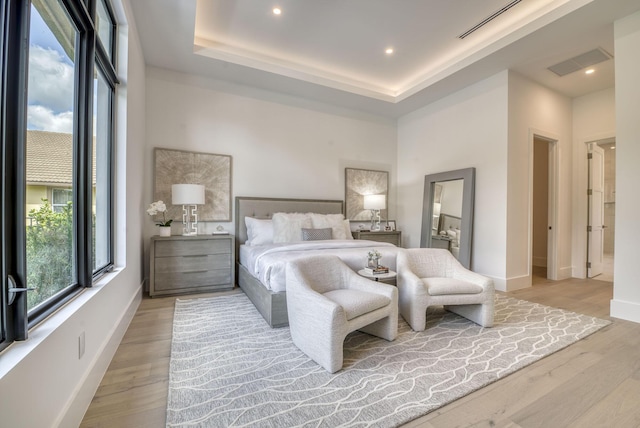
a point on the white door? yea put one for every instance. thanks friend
(595, 225)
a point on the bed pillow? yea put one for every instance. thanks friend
(347, 229)
(316, 234)
(454, 234)
(259, 231)
(334, 221)
(287, 227)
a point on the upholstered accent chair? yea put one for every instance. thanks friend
(431, 276)
(326, 300)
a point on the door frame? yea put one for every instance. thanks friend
(580, 203)
(553, 203)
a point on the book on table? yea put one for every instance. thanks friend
(377, 270)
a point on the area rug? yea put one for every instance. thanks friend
(229, 368)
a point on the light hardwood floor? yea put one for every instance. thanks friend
(593, 383)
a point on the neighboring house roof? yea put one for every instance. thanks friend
(49, 158)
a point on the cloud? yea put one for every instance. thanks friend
(44, 119)
(51, 80)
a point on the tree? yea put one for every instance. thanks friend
(49, 252)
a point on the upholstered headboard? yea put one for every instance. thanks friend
(449, 222)
(266, 207)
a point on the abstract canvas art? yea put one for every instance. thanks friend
(213, 171)
(360, 182)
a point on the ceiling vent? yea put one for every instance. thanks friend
(489, 18)
(581, 61)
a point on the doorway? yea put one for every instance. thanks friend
(543, 208)
(600, 251)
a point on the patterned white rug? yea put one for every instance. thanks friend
(229, 368)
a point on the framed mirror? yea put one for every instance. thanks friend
(447, 212)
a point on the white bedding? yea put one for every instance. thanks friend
(267, 262)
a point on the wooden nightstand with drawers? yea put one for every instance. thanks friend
(191, 264)
(394, 237)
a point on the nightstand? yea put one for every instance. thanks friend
(394, 237)
(191, 264)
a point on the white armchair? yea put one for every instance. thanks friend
(430, 276)
(326, 300)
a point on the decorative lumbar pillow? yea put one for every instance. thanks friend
(334, 221)
(287, 227)
(259, 231)
(316, 234)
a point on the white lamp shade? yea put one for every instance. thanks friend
(187, 194)
(374, 202)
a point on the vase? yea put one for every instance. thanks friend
(165, 230)
(372, 263)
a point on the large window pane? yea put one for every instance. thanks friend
(49, 164)
(102, 172)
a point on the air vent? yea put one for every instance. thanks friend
(581, 61)
(489, 18)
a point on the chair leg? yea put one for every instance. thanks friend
(481, 314)
(325, 349)
(386, 328)
(415, 317)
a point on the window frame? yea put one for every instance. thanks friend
(90, 55)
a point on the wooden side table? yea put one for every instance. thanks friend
(191, 264)
(394, 237)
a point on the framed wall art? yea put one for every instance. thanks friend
(213, 171)
(361, 182)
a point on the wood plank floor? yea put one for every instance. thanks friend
(593, 383)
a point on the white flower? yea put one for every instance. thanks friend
(159, 207)
(374, 255)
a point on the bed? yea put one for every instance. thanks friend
(260, 266)
(450, 226)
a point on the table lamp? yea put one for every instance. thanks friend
(375, 203)
(189, 196)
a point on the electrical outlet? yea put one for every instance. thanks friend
(81, 345)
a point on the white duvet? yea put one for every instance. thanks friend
(267, 262)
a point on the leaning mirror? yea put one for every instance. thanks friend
(447, 212)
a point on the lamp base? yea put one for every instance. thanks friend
(189, 226)
(375, 220)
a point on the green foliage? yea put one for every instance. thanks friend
(49, 252)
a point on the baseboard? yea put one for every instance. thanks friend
(511, 284)
(565, 273)
(629, 311)
(98, 367)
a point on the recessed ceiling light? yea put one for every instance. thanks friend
(388, 51)
(590, 71)
(277, 11)
(613, 147)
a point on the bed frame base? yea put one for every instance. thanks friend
(272, 306)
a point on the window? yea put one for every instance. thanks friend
(58, 85)
(60, 199)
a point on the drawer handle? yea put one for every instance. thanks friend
(197, 255)
(197, 271)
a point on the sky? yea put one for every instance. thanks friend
(51, 81)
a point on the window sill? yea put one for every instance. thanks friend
(18, 351)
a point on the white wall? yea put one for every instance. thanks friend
(43, 382)
(594, 118)
(465, 129)
(626, 290)
(280, 146)
(535, 110)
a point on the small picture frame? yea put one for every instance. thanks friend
(391, 226)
